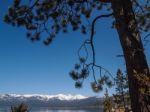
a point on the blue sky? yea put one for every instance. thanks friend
(32, 68)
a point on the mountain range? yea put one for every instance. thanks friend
(52, 101)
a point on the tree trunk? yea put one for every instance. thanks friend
(136, 63)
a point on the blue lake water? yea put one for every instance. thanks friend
(65, 110)
(2, 109)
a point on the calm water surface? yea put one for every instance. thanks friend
(6, 109)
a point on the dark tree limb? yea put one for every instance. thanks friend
(92, 33)
(104, 74)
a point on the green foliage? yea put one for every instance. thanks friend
(144, 82)
(20, 108)
(82, 70)
(142, 13)
(79, 73)
(121, 82)
(51, 16)
(107, 103)
(98, 85)
(122, 94)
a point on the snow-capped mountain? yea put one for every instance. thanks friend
(59, 100)
(44, 97)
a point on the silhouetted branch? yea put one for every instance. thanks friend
(139, 6)
(35, 3)
(146, 39)
(92, 33)
(86, 67)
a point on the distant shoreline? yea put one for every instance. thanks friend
(61, 108)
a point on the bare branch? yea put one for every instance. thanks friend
(146, 39)
(35, 3)
(92, 33)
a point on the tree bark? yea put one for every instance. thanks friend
(135, 58)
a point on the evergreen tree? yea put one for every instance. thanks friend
(131, 18)
(107, 103)
(121, 96)
(20, 108)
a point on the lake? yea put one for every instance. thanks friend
(47, 110)
(6, 109)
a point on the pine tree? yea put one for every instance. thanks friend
(20, 108)
(107, 103)
(131, 18)
(122, 95)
